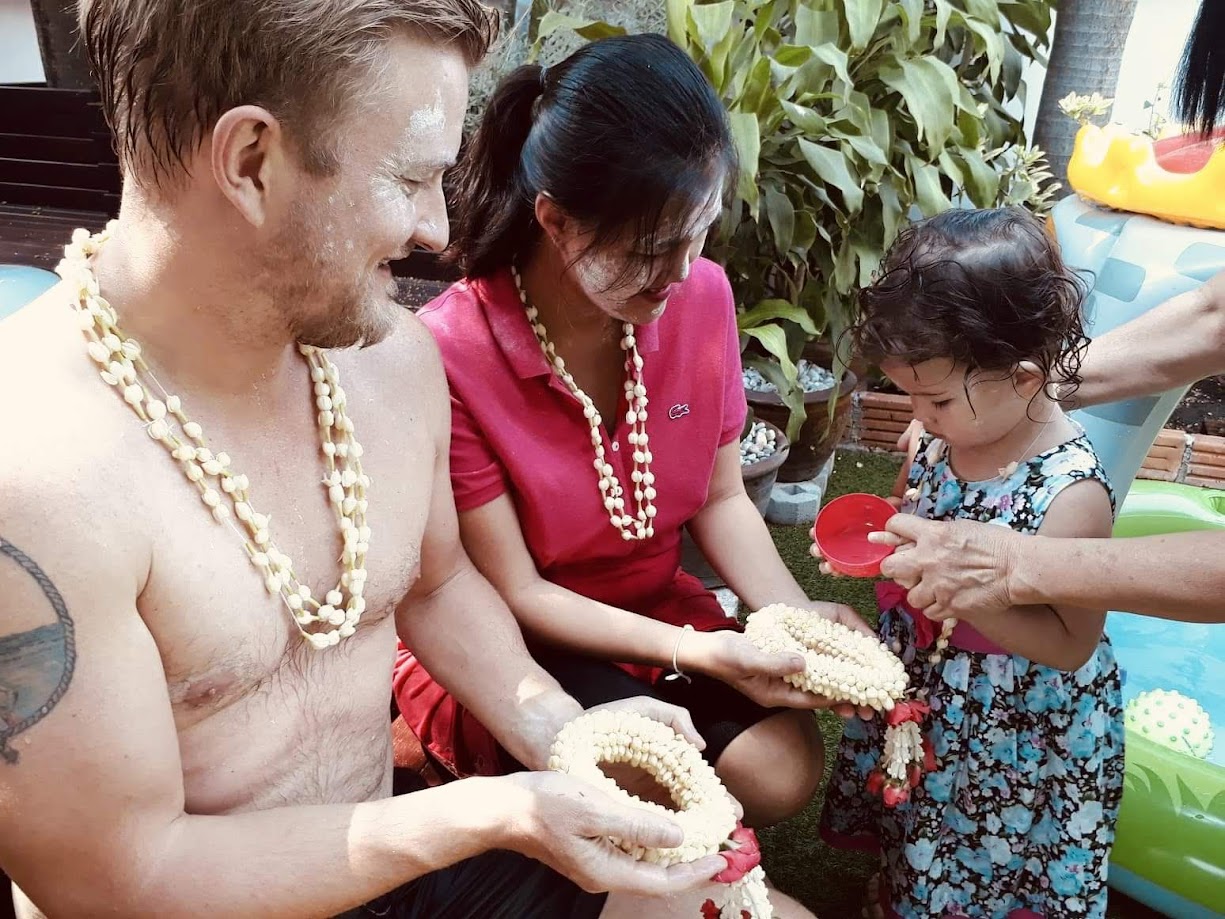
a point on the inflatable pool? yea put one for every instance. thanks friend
(1170, 849)
(19, 284)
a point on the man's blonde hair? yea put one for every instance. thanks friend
(168, 69)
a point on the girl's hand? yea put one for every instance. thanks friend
(815, 552)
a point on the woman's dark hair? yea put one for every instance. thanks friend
(1199, 88)
(620, 134)
(984, 288)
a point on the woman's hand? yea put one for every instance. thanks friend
(951, 568)
(731, 657)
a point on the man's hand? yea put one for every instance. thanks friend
(950, 568)
(565, 823)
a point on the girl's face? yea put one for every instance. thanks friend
(622, 280)
(965, 408)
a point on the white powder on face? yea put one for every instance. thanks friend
(429, 120)
(596, 274)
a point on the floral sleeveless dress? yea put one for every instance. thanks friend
(1018, 817)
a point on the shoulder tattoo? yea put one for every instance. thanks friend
(36, 665)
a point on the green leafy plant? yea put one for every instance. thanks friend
(849, 116)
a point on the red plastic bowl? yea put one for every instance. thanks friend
(841, 532)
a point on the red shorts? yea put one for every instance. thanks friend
(463, 745)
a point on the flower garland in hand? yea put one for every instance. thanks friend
(847, 666)
(705, 811)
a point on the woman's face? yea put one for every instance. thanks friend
(627, 282)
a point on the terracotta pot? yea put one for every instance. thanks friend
(759, 479)
(819, 436)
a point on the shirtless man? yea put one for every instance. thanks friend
(177, 748)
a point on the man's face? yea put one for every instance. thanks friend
(329, 266)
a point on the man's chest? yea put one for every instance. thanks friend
(222, 629)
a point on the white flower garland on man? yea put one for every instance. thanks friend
(222, 491)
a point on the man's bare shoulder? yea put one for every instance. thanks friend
(405, 369)
(65, 436)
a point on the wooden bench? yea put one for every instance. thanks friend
(58, 171)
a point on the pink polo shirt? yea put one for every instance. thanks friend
(517, 430)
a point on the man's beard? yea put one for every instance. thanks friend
(320, 310)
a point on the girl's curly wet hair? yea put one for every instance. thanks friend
(984, 288)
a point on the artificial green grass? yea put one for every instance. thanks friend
(830, 881)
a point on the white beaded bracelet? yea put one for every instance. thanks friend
(677, 673)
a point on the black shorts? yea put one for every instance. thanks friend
(719, 712)
(492, 885)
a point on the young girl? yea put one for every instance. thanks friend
(974, 314)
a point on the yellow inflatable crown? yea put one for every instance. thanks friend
(1120, 170)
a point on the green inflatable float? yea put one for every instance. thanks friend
(1158, 235)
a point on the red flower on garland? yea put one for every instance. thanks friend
(742, 855)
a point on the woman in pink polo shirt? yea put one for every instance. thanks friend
(597, 406)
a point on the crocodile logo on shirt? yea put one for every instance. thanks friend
(680, 410)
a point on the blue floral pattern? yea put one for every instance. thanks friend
(1020, 811)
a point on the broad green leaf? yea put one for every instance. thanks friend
(830, 165)
(780, 212)
(815, 27)
(805, 232)
(590, 29)
(986, 10)
(805, 118)
(844, 268)
(768, 310)
(1013, 69)
(788, 390)
(993, 45)
(746, 133)
(981, 181)
(774, 340)
(929, 195)
(862, 17)
(836, 58)
(891, 212)
(868, 255)
(867, 148)
(924, 85)
(879, 131)
(793, 56)
(944, 10)
(971, 126)
(678, 21)
(952, 168)
(710, 22)
(1032, 17)
(912, 17)
(756, 88)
